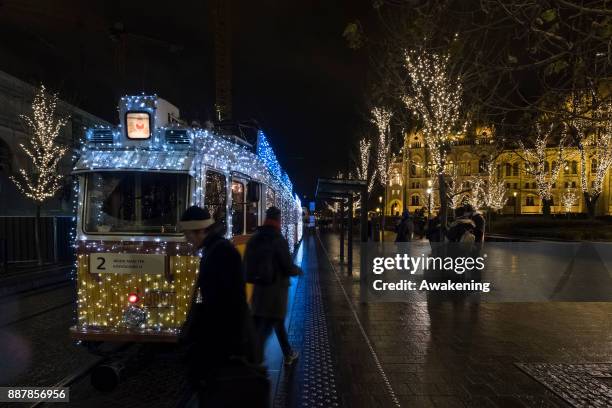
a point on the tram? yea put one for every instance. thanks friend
(136, 275)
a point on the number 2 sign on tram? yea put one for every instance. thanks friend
(104, 262)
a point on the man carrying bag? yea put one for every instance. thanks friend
(268, 265)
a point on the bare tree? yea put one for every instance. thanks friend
(536, 161)
(435, 96)
(44, 151)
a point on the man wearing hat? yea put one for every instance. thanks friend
(221, 320)
(268, 266)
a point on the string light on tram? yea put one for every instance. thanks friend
(102, 297)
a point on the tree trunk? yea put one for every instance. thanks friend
(37, 235)
(443, 206)
(591, 203)
(382, 238)
(546, 207)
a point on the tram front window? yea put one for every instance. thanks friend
(134, 203)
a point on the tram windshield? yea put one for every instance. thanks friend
(134, 203)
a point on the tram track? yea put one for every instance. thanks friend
(82, 372)
(36, 314)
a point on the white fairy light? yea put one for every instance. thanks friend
(569, 199)
(363, 167)
(381, 118)
(435, 96)
(43, 126)
(536, 159)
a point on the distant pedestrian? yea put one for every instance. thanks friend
(268, 265)
(479, 222)
(434, 229)
(405, 228)
(223, 352)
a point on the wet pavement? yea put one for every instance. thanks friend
(432, 353)
(456, 353)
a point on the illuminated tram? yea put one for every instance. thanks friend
(136, 275)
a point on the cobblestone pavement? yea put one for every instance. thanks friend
(36, 350)
(456, 354)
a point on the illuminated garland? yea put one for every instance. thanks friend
(536, 159)
(42, 148)
(381, 119)
(100, 299)
(435, 96)
(569, 199)
(363, 167)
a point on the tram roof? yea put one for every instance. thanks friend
(146, 160)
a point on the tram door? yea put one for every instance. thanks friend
(246, 205)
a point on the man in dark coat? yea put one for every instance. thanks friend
(405, 228)
(268, 265)
(221, 320)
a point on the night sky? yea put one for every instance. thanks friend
(292, 69)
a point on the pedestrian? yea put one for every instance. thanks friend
(433, 229)
(479, 222)
(223, 359)
(405, 228)
(268, 265)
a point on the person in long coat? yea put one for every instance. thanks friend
(221, 325)
(268, 265)
(405, 228)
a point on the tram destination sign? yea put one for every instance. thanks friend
(105, 262)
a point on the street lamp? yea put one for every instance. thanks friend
(514, 194)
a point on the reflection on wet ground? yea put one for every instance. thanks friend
(454, 353)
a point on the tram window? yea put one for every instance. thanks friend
(252, 206)
(270, 197)
(215, 197)
(237, 207)
(134, 203)
(138, 125)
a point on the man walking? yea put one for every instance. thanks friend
(405, 228)
(268, 266)
(222, 346)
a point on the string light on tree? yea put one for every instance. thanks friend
(569, 199)
(536, 161)
(435, 96)
(43, 149)
(363, 167)
(44, 180)
(493, 189)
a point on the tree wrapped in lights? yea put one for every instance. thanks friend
(493, 189)
(454, 189)
(536, 162)
(384, 156)
(592, 127)
(476, 197)
(435, 96)
(568, 200)
(42, 147)
(362, 169)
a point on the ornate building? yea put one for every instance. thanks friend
(412, 182)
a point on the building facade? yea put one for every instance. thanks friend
(15, 100)
(412, 182)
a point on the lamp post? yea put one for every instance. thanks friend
(514, 194)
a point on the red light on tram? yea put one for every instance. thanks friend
(133, 298)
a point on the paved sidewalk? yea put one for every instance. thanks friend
(455, 354)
